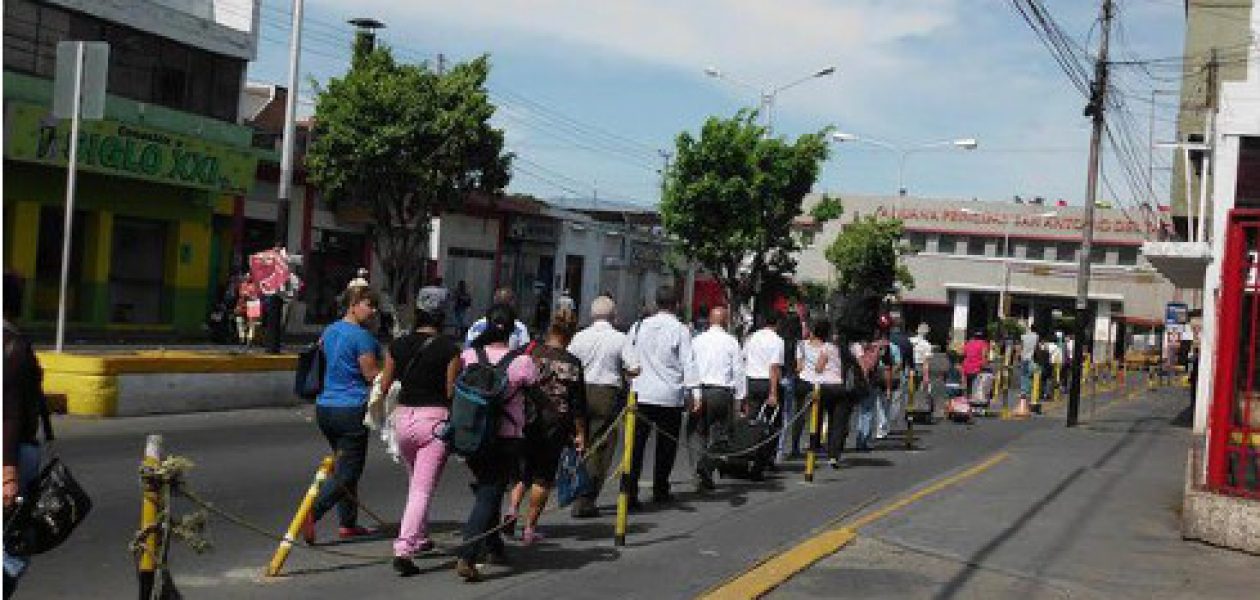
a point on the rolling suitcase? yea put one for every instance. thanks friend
(749, 451)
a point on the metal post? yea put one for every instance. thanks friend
(150, 506)
(72, 163)
(811, 455)
(910, 385)
(290, 117)
(304, 509)
(627, 460)
(1036, 392)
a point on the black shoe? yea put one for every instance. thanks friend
(497, 557)
(404, 567)
(633, 505)
(835, 463)
(662, 498)
(795, 455)
(704, 482)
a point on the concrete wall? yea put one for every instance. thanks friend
(228, 27)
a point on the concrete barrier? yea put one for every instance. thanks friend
(163, 381)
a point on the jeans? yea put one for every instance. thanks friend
(792, 392)
(348, 438)
(602, 405)
(669, 419)
(28, 468)
(1026, 370)
(714, 424)
(273, 315)
(868, 405)
(492, 470)
(425, 455)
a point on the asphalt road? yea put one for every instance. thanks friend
(257, 464)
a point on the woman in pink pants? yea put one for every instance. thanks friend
(427, 363)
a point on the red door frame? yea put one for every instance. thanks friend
(1226, 435)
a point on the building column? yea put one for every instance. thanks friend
(191, 275)
(97, 251)
(1102, 332)
(962, 308)
(23, 241)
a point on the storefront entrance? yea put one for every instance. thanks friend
(137, 271)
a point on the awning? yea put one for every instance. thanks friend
(1182, 263)
(1027, 291)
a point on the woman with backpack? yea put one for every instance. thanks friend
(351, 356)
(495, 465)
(556, 418)
(426, 363)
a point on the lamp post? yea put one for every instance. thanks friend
(1004, 299)
(904, 152)
(767, 96)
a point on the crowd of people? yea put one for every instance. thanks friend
(569, 387)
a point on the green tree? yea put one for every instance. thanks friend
(730, 197)
(405, 142)
(867, 256)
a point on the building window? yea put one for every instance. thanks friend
(1065, 251)
(1034, 250)
(977, 246)
(947, 244)
(1098, 255)
(1127, 255)
(917, 241)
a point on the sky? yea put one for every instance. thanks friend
(591, 93)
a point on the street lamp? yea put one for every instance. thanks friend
(1004, 299)
(904, 152)
(767, 95)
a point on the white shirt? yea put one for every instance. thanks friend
(808, 356)
(763, 348)
(659, 348)
(599, 348)
(719, 361)
(922, 350)
(1056, 353)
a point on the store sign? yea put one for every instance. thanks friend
(115, 148)
(1026, 221)
(1176, 313)
(536, 230)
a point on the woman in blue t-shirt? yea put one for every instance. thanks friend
(352, 363)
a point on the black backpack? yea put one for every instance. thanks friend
(478, 405)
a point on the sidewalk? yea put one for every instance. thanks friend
(1084, 513)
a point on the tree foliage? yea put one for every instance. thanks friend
(867, 256)
(405, 142)
(730, 198)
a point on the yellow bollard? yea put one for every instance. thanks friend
(999, 391)
(1150, 377)
(1036, 392)
(627, 459)
(304, 509)
(910, 411)
(812, 454)
(150, 506)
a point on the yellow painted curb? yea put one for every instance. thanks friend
(164, 361)
(769, 574)
(86, 395)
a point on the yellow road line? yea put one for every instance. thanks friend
(769, 574)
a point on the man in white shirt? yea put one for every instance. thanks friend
(1027, 349)
(763, 364)
(658, 354)
(520, 334)
(720, 369)
(599, 347)
(922, 362)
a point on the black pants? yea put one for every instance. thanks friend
(714, 424)
(603, 402)
(836, 408)
(348, 438)
(274, 320)
(669, 419)
(758, 395)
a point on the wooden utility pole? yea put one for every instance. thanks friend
(1095, 110)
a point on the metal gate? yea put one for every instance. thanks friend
(1234, 435)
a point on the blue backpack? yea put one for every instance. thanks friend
(478, 405)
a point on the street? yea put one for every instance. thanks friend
(257, 464)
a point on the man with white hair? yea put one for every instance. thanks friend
(599, 348)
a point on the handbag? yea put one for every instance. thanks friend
(309, 378)
(572, 480)
(52, 509)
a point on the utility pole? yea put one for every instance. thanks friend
(1095, 110)
(290, 116)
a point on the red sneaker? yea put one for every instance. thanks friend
(349, 533)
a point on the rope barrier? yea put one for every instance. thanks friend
(705, 453)
(438, 550)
